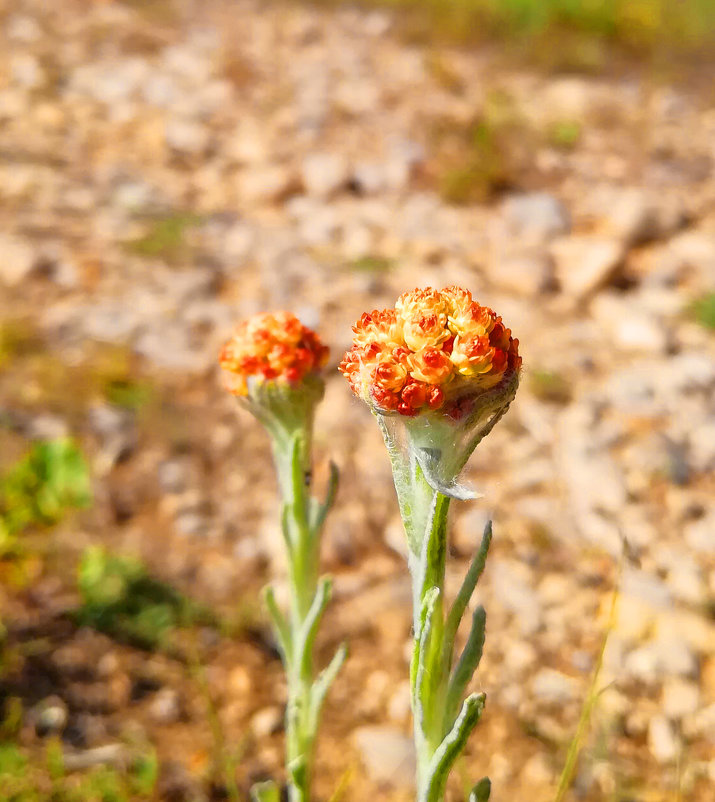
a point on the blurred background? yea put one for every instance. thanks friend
(168, 167)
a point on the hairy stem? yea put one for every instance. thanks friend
(302, 519)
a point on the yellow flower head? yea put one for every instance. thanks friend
(271, 347)
(433, 350)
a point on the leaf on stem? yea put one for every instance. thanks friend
(318, 510)
(453, 743)
(467, 665)
(310, 624)
(285, 528)
(419, 671)
(298, 476)
(298, 771)
(465, 593)
(265, 792)
(280, 625)
(434, 545)
(481, 791)
(430, 460)
(322, 684)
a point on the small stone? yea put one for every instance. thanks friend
(50, 716)
(520, 656)
(323, 174)
(554, 687)
(191, 523)
(17, 260)
(239, 681)
(165, 707)
(663, 657)
(525, 274)
(108, 665)
(700, 535)
(174, 475)
(116, 431)
(635, 216)
(680, 698)
(701, 442)
(23, 29)
(585, 263)
(537, 771)
(387, 754)
(640, 332)
(536, 215)
(662, 742)
(267, 721)
(47, 427)
(400, 705)
(511, 585)
(368, 178)
(186, 136)
(265, 184)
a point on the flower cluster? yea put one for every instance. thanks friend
(271, 347)
(434, 350)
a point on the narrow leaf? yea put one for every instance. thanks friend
(322, 684)
(465, 593)
(321, 510)
(298, 771)
(481, 791)
(421, 672)
(285, 528)
(298, 477)
(467, 665)
(312, 620)
(434, 545)
(450, 748)
(430, 461)
(280, 625)
(265, 792)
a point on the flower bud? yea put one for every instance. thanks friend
(442, 363)
(272, 364)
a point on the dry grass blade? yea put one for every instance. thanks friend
(589, 703)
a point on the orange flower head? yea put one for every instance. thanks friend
(431, 352)
(271, 347)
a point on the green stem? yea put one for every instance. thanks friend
(441, 728)
(302, 519)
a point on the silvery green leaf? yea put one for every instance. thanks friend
(430, 460)
(324, 681)
(265, 792)
(319, 511)
(312, 620)
(467, 665)
(465, 592)
(450, 748)
(421, 669)
(280, 625)
(481, 791)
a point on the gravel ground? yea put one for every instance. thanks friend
(167, 168)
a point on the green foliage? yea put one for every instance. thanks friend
(166, 238)
(702, 310)
(121, 599)
(17, 338)
(21, 782)
(553, 30)
(565, 134)
(484, 156)
(13, 762)
(41, 487)
(372, 264)
(550, 386)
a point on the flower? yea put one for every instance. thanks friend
(436, 350)
(273, 347)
